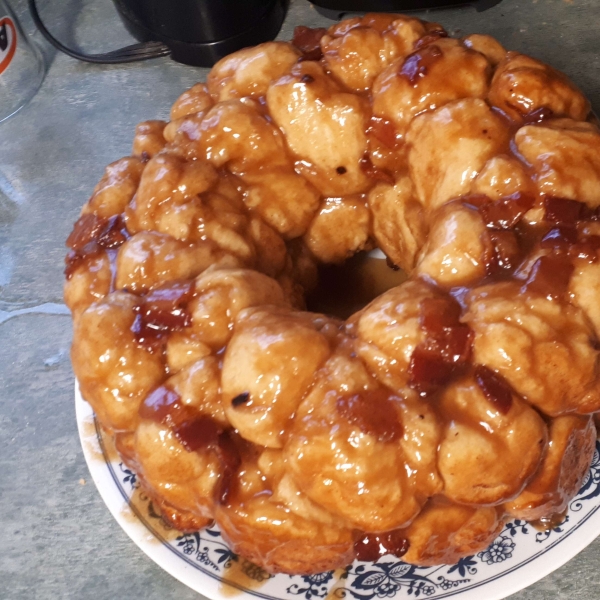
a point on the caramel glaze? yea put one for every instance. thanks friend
(231, 204)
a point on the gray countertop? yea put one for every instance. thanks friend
(57, 539)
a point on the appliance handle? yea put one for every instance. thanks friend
(133, 53)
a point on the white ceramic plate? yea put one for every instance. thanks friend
(517, 558)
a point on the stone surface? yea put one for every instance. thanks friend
(57, 539)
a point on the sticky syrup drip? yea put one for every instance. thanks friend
(372, 546)
(373, 412)
(196, 433)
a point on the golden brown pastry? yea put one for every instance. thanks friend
(465, 396)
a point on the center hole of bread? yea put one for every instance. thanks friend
(347, 287)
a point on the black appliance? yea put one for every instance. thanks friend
(194, 32)
(200, 32)
(336, 9)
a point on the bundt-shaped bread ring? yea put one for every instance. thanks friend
(449, 403)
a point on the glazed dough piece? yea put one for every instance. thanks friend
(196, 99)
(450, 146)
(487, 45)
(421, 437)
(503, 176)
(167, 198)
(184, 480)
(352, 469)
(184, 349)
(339, 230)
(274, 467)
(541, 347)
(324, 127)
(185, 200)
(270, 249)
(389, 329)
(249, 72)
(488, 452)
(356, 51)
(89, 283)
(429, 78)
(571, 445)
(149, 139)
(522, 85)
(399, 225)
(149, 259)
(564, 157)
(270, 363)
(220, 295)
(199, 388)
(260, 527)
(458, 247)
(116, 188)
(445, 532)
(114, 372)
(181, 482)
(584, 291)
(236, 135)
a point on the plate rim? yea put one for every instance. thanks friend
(184, 570)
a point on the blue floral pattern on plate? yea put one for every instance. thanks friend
(517, 545)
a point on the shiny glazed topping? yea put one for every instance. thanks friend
(453, 397)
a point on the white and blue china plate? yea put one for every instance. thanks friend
(519, 556)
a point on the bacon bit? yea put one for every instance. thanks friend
(437, 314)
(384, 131)
(151, 339)
(589, 214)
(447, 346)
(559, 238)
(204, 433)
(506, 212)
(108, 233)
(164, 307)
(432, 36)
(562, 211)
(162, 405)
(72, 262)
(550, 276)
(199, 434)
(370, 170)
(476, 201)
(495, 388)
(373, 412)
(416, 65)
(161, 311)
(113, 234)
(85, 230)
(90, 236)
(428, 370)
(371, 546)
(307, 40)
(587, 249)
(507, 251)
(445, 334)
(538, 115)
